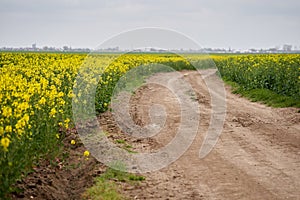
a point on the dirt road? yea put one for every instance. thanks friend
(257, 155)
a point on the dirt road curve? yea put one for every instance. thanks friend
(257, 155)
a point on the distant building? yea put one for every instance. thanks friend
(287, 47)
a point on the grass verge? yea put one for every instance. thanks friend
(106, 188)
(265, 96)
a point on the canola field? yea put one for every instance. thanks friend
(36, 93)
(279, 73)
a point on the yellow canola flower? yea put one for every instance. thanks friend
(67, 123)
(8, 129)
(53, 112)
(5, 143)
(86, 153)
(73, 142)
(6, 111)
(1, 130)
(26, 118)
(42, 101)
(20, 124)
(60, 94)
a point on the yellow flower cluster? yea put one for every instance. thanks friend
(5, 143)
(32, 93)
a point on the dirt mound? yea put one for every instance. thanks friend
(65, 177)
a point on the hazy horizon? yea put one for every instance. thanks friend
(212, 24)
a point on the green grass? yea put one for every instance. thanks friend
(265, 96)
(120, 141)
(125, 145)
(113, 174)
(103, 190)
(105, 187)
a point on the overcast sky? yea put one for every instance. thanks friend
(238, 24)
